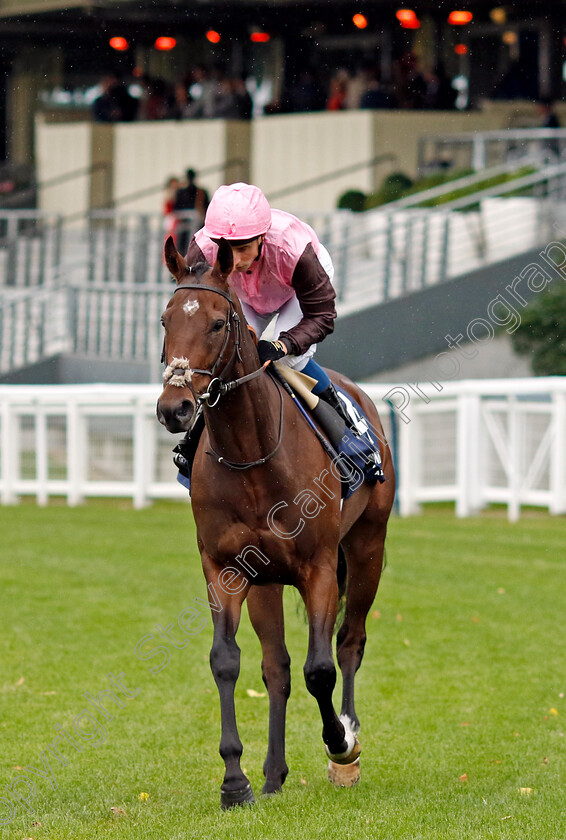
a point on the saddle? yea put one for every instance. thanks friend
(352, 445)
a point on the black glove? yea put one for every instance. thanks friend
(270, 351)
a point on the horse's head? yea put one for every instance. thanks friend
(202, 332)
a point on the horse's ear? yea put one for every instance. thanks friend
(224, 260)
(176, 264)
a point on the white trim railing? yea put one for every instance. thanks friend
(480, 149)
(480, 442)
(474, 443)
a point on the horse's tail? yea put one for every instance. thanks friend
(341, 571)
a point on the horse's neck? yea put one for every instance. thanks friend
(244, 425)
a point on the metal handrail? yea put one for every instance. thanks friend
(54, 182)
(147, 191)
(504, 136)
(478, 141)
(331, 176)
(542, 176)
(451, 186)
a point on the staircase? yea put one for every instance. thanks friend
(97, 291)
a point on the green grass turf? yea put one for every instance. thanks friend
(460, 694)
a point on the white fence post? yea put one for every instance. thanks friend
(409, 466)
(140, 453)
(41, 454)
(515, 459)
(558, 454)
(75, 459)
(9, 454)
(468, 478)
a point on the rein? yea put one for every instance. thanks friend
(246, 465)
(217, 386)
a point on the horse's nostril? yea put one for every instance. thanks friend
(184, 410)
(176, 416)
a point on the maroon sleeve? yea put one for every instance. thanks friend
(316, 296)
(194, 253)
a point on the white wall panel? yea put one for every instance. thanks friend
(147, 154)
(290, 149)
(63, 149)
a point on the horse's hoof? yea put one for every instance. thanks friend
(344, 775)
(348, 757)
(233, 798)
(271, 788)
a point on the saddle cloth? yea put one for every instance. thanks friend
(359, 449)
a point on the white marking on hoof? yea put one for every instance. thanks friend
(344, 775)
(348, 723)
(190, 307)
(353, 748)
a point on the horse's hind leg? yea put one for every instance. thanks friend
(363, 547)
(265, 606)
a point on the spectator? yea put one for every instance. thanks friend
(189, 197)
(440, 94)
(547, 114)
(224, 104)
(201, 92)
(375, 94)
(171, 189)
(115, 104)
(338, 91)
(243, 101)
(159, 101)
(181, 105)
(356, 87)
(411, 84)
(305, 94)
(551, 146)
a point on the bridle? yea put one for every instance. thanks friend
(218, 386)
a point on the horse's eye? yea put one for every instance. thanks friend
(218, 325)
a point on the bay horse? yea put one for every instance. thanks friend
(267, 507)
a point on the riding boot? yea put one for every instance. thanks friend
(185, 451)
(370, 460)
(330, 396)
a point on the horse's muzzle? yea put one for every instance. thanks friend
(176, 415)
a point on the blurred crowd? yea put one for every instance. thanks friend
(409, 87)
(209, 92)
(202, 93)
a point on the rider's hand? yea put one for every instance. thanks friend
(270, 351)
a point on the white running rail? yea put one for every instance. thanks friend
(474, 443)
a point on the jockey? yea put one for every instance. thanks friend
(280, 270)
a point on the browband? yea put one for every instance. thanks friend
(197, 286)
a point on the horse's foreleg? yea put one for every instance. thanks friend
(320, 593)
(265, 606)
(225, 665)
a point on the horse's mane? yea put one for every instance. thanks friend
(196, 271)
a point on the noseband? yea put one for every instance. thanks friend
(218, 386)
